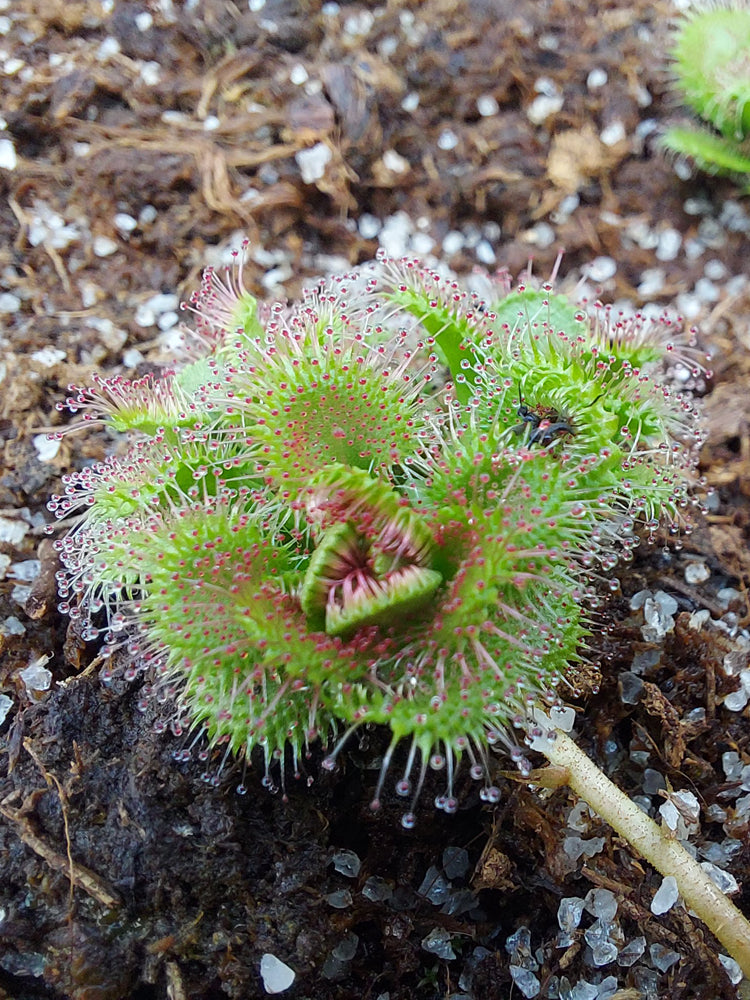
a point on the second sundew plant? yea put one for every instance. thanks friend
(711, 68)
(389, 504)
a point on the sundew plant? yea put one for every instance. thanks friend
(389, 504)
(711, 68)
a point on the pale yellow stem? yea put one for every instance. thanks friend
(655, 844)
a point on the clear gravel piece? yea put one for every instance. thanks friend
(645, 660)
(434, 887)
(459, 902)
(665, 897)
(276, 975)
(734, 217)
(715, 270)
(697, 572)
(735, 662)
(631, 687)
(726, 595)
(455, 862)
(647, 982)
(562, 717)
(26, 571)
(698, 619)
(9, 303)
(658, 611)
(167, 320)
(607, 988)
(706, 290)
(298, 75)
(369, 226)
(688, 806)
(613, 133)
(332, 968)
(732, 969)
(395, 234)
(346, 949)
(339, 900)
(438, 942)
(569, 913)
(689, 305)
(312, 162)
(721, 854)
(712, 233)
(447, 140)
(347, 863)
(525, 980)
(724, 880)
(125, 222)
(422, 244)
(653, 781)
(163, 302)
(541, 235)
(602, 904)
(46, 447)
(631, 952)
(644, 803)
(518, 943)
(579, 818)
(652, 282)
(663, 958)
(639, 599)
(697, 206)
(715, 814)
(575, 847)
(8, 158)
(670, 241)
(601, 269)
(583, 990)
(566, 208)
(49, 356)
(665, 602)
(12, 626)
(394, 162)
(671, 818)
(542, 107)
(603, 951)
(377, 889)
(6, 704)
(737, 700)
(487, 105)
(485, 254)
(453, 242)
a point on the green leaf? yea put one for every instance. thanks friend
(453, 337)
(712, 153)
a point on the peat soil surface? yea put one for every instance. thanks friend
(143, 140)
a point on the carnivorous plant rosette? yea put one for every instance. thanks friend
(391, 503)
(385, 504)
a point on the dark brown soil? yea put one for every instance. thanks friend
(121, 873)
